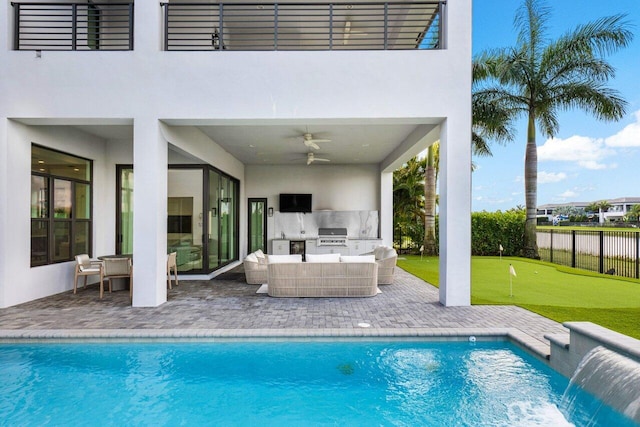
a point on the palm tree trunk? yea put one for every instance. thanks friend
(429, 243)
(531, 190)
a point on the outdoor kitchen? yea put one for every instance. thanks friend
(325, 231)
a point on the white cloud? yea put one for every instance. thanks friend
(629, 136)
(585, 151)
(549, 177)
(568, 194)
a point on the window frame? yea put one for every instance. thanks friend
(51, 219)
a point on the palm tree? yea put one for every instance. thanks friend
(408, 198)
(539, 78)
(430, 179)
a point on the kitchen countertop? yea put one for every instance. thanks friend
(312, 237)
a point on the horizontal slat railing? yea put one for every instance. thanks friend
(73, 26)
(303, 26)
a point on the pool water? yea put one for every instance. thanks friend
(286, 383)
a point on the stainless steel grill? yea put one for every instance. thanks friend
(332, 237)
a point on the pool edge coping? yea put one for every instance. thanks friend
(516, 336)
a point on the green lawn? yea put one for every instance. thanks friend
(559, 293)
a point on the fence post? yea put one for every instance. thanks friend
(637, 255)
(551, 247)
(573, 248)
(601, 260)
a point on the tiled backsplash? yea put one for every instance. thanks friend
(359, 224)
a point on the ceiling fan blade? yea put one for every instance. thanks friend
(316, 140)
(311, 143)
(317, 159)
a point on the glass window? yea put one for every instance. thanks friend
(60, 206)
(82, 201)
(62, 198)
(39, 197)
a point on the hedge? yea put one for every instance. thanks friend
(489, 230)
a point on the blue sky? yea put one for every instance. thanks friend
(588, 160)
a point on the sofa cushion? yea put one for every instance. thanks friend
(279, 259)
(358, 258)
(251, 258)
(322, 257)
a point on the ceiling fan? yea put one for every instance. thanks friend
(312, 158)
(347, 32)
(312, 142)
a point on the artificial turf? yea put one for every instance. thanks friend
(560, 294)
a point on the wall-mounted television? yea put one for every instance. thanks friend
(295, 202)
(179, 224)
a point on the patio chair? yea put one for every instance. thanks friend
(86, 267)
(172, 264)
(118, 268)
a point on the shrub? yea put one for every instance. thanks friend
(489, 230)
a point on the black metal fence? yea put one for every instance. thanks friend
(303, 26)
(610, 252)
(73, 26)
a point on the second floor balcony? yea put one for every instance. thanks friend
(303, 26)
(234, 26)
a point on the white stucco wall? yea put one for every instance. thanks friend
(20, 282)
(149, 87)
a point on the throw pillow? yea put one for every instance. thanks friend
(279, 259)
(358, 258)
(322, 257)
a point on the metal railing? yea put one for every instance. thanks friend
(303, 26)
(73, 26)
(609, 252)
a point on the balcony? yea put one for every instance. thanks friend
(303, 26)
(73, 26)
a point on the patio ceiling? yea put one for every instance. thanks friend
(280, 142)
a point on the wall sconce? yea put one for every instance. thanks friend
(214, 212)
(270, 211)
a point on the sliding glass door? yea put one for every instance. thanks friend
(202, 216)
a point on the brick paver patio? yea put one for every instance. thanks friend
(408, 306)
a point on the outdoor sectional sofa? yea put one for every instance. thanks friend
(350, 277)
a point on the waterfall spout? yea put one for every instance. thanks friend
(610, 376)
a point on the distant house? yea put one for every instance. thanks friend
(619, 207)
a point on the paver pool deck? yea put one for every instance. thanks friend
(229, 307)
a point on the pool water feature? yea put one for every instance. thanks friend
(277, 383)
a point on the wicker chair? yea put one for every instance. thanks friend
(255, 269)
(386, 258)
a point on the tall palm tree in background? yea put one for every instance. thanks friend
(539, 78)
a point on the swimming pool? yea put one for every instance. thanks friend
(400, 383)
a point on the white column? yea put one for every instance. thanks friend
(455, 211)
(150, 153)
(386, 208)
(4, 205)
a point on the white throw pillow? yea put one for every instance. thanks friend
(322, 257)
(379, 251)
(252, 258)
(279, 259)
(358, 258)
(259, 253)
